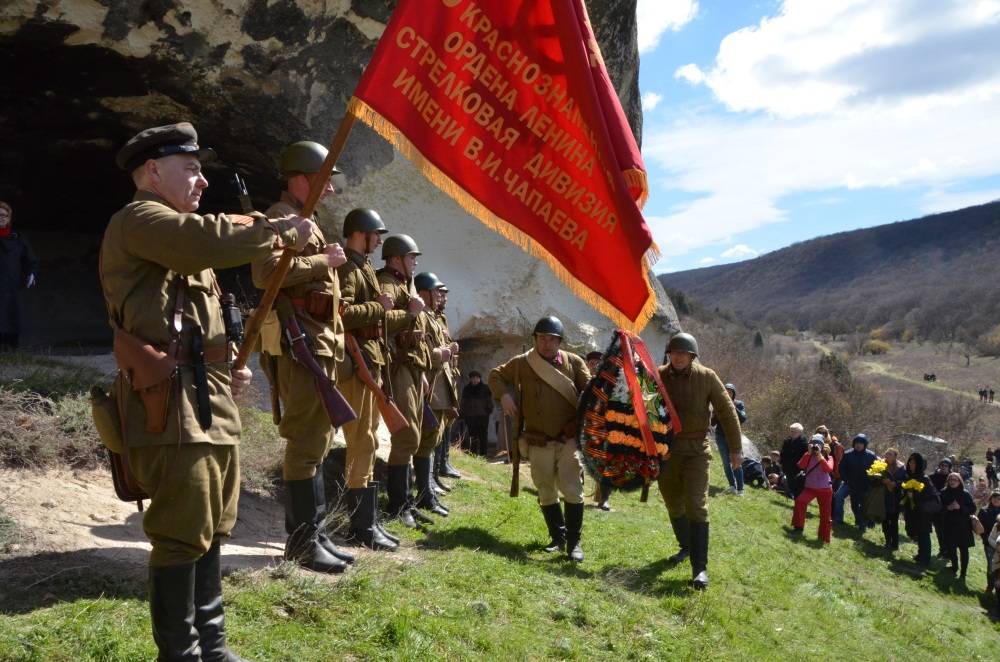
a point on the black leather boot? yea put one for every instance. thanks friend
(320, 490)
(171, 608)
(699, 555)
(425, 497)
(446, 469)
(374, 486)
(398, 488)
(303, 545)
(574, 527)
(682, 531)
(556, 525)
(437, 470)
(364, 508)
(209, 618)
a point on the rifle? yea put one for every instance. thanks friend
(393, 418)
(240, 185)
(338, 410)
(515, 449)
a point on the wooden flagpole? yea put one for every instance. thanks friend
(256, 320)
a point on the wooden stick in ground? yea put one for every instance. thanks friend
(256, 320)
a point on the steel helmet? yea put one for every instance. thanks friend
(683, 342)
(550, 325)
(363, 220)
(304, 156)
(398, 245)
(426, 280)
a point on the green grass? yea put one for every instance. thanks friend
(47, 376)
(477, 585)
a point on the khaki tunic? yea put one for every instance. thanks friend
(544, 411)
(442, 396)
(359, 291)
(407, 368)
(555, 461)
(191, 475)
(683, 478)
(305, 425)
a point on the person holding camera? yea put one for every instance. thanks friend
(816, 465)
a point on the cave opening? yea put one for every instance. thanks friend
(63, 115)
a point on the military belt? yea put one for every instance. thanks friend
(213, 354)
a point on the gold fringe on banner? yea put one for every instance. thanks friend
(387, 130)
(637, 179)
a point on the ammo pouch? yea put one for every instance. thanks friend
(150, 372)
(107, 420)
(319, 305)
(407, 340)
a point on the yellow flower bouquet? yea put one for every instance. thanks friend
(911, 489)
(877, 470)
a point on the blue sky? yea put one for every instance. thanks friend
(768, 123)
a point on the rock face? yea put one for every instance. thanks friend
(252, 75)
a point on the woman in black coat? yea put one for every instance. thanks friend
(957, 509)
(919, 507)
(988, 517)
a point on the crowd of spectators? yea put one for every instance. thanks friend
(881, 490)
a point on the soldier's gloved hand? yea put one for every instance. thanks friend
(304, 228)
(386, 301)
(507, 403)
(415, 305)
(335, 255)
(241, 380)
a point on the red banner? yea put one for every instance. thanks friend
(508, 108)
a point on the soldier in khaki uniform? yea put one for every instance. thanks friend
(310, 292)
(363, 312)
(441, 398)
(684, 475)
(547, 382)
(181, 434)
(410, 361)
(442, 465)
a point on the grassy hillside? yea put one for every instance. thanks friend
(936, 276)
(479, 586)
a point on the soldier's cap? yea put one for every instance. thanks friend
(160, 141)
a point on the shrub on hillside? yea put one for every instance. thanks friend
(876, 347)
(36, 431)
(989, 345)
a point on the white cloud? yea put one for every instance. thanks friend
(650, 100)
(816, 57)
(657, 16)
(895, 127)
(938, 200)
(691, 73)
(739, 252)
(706, 260)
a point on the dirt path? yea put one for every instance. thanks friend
(883, 370)
(61, 511)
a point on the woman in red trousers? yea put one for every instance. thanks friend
(818, 466)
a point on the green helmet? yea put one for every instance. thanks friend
(304, 156)
(398, 245)
(550, 325)
(683, 342)
(363, 220)
(426, 280)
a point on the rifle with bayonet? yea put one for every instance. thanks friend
(246, 204)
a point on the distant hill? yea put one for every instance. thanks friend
(937, 277)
